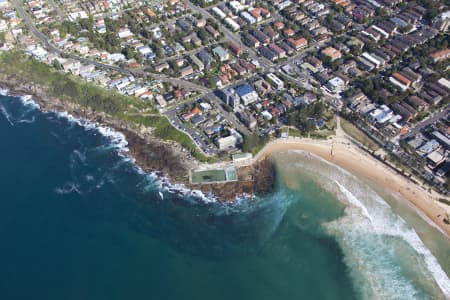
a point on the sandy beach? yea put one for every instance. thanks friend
(345, 154)
(342, 152)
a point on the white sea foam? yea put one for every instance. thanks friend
(28, 100)
(371, 235)
(117, 139)
(353, 201)
(165, 185)
(360, 236)
(77, 155)
(27, 121)
(118, 142)
(68, 188)
(385, 223)
(6, 114)
(4, 92)
(13, 119)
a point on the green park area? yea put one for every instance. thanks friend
(358, 135)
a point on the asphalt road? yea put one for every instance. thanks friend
(197, 138)
(432, 119)
(206, 92)
(231, 36)
(57, 10)
(51, 48)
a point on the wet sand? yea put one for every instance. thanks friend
(348, 156)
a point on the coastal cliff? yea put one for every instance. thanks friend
(167, 159)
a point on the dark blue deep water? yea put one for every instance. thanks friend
(80, 221)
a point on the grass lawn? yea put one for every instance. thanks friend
(358, 135)
(73, 89)
(208, 176)
(295, 132)
(322, 134)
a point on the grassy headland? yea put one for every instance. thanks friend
(73, 89)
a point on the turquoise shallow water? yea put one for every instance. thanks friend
(80, 221)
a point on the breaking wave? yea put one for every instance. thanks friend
(17, 116)
(27, 100)
(386, 257)
(165, 186)
(7, 115)
(117, 141)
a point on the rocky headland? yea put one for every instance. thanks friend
(165, 158)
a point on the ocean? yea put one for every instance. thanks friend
(79, 220)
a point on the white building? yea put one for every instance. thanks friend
(226, 143)
(276, 82)
(372, 59)
(382, 114)
(116, 57)
(248, 17)
(218, 12)
(336, 85)
(232, 24)
(236, 6)
(124, 33)
(247, 93)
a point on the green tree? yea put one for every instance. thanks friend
(87, 24)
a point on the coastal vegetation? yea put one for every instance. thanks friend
(292, 132)
(358, 135)
(72, 89)
(253, 143)
(445, 201)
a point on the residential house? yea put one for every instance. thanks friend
(235, 49)
(262, 87)
(268, 53)
(186, 71)
(332, 53)
(205, 58)
(221, 53)
(161, 67)
(440, 55)
(278, 50)
(400, 81)
(298, 44)
(197, 62)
